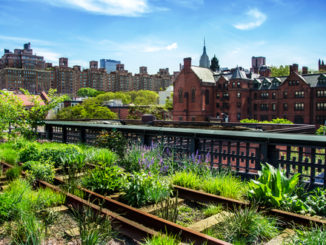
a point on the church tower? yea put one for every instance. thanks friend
(204, 60)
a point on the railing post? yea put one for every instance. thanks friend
(194, 147)
(64, 134)
(147, 139)
(49, 132)
(83, 135)
(269, 153)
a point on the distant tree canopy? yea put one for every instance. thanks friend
(92, 108)
(88, 92)
(214, 64)
(280, 71)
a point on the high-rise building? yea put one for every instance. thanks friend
(22, 58)
(257, 62)
(63, 62)
(93, 64)
(204, 60)
(109, 65)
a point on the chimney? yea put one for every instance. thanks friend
(304, 70)
(187, 64)
(294, 68)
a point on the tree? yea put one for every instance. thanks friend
(169, 102)
(87, 92)
(12, 112)
(214, 64)
(36, 115)
(146, 97)
(280, 71)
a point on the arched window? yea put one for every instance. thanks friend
(180, 95)
(193, 95)
(206, 97)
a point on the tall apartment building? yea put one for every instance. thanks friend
(22, 58)
(35, 81)
(200, 94)
(109, 65)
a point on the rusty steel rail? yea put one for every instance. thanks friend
(132, 220)
(204, 197)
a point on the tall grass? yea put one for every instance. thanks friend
(315, 235)
(161, 239)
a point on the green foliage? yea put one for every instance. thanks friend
(212, 209)
(41, 171)
(12, 113)
(305, 236)
(321, 130)
(13, 173)
(275, 121)
(114, 140)
(168, 209)
(245, 226)
(87, 92)
(135, 112)
(161, 239)
(143, 189)
(105, 180)
(8, 154)
(103, 157)
(187, 179)
(29, 153)
(280, 71)
(94, 228)
(316, 199)
(272, 186)
(169, 102)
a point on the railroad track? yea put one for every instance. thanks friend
(129, 220)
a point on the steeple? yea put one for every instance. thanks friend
(204, 60)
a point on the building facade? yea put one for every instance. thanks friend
(200, 94)
(109, 65)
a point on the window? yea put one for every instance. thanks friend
(226, 95)
(264, 95)
(321, 106)
(273, 95)
(206, 97)
(321, 93)
(239, 116)
(217, 95)
(180, 93)
(264, 107)
(239, 104)
(193, 95)
(263, 118)
(225, 105)
(233, 84)
(299, 106)
(180, 118)
(285, 106)
(299, 94)
(239, 85)
(285, 94)
(217, 105)
(238, 94)
(274, 107)
(255, 107)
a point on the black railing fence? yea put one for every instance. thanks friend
(241, 151)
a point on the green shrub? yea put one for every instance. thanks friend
(187, 179)
(28, 165)
(13, 173)
(144, 189)
(321, 130)
(114, 140)
(272, 186)
(316, 235)
(105, 181)
(41, 171)
(161, 239)
(275, 120)
(245, 226)
(103, 157)
(29, 153)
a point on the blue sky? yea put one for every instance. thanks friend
(160, 33)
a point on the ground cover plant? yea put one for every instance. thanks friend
(304, 235)
(245, 226)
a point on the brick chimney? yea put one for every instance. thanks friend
(187, 64)
(294, 68)
(304, 70)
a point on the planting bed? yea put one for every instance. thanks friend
(216, 209)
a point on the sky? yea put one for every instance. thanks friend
(161, 33)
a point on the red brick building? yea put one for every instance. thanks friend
(200, 94)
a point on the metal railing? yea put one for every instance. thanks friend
(240, 151)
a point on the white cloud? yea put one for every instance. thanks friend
(107, 7)
(49, 56)
(257, 18)
(170, 47)
(22, 40)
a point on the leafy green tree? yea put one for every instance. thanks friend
(280, 71)
(214, 64)
(87, 92)
(36, 115)
(146, 97)
(321, 130)
(169, 102)
(12, 112)
(72, 112)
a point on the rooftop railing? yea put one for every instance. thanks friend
(241, 151)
